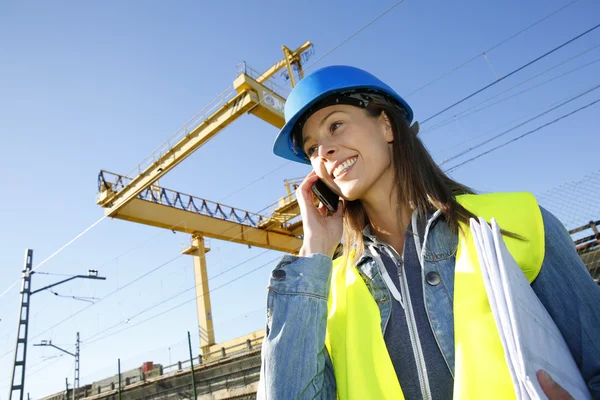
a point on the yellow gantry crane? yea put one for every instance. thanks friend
(139, 199)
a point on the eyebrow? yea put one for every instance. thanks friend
(329, 115)
(305, 139)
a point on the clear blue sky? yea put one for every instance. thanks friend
(86, 86)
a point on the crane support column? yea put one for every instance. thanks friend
(205, 321)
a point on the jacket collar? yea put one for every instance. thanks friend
(370, 238)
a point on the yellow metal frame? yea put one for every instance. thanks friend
(205, 321)
(282, 63)
(277, 233)
(162, 216)
(228, 113)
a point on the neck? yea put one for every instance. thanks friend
(387, 218)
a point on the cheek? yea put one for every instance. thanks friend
(319, 169)
(386, 153)
(377, 154)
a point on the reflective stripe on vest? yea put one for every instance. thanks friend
(362, 366)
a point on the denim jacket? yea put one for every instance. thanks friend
(295, 361)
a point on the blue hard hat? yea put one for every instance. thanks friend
(318, 86)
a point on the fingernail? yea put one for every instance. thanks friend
(546, 376)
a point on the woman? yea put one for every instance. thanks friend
(384, 319)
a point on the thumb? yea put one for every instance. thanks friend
(340, 209)
(552, 389)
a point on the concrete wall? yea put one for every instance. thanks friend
(236, 377)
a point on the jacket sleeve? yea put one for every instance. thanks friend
(572, 298)
(295, 361)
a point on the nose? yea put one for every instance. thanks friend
(327, 150)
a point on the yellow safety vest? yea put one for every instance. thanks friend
(362, 366)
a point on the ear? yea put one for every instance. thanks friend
(415, 128)
(387, 125)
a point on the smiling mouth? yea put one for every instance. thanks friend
(344, 167)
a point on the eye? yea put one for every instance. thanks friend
(311, 151)
(334, 127)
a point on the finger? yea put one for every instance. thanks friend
(322, 209)
(306, 200)
(552, 389)
(305, 188)
(340, 209)
(309, 180)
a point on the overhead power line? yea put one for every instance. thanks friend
(470, 60)
(88, 341)
(522, 136)
(126, 285)
(510, 123)
(466, 113)
(178, 305)
(356, 33)
(136, 280)
(103, 264)
(511, 73)
(86, 230)
(462, 153)
(179, 294)
(101, 299)
(285, 164)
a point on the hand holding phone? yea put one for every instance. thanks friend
(322, 225)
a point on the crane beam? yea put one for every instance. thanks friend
(283, 63)
(163, 216)
(208, 128)
(269, 106)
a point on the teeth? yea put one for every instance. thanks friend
(340, 169)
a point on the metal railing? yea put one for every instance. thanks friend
(588, 247)
(243, 68)
(159, 372)
(183, 131)
(219, 355)
(115, 182)
(203, 114)
(590, 241)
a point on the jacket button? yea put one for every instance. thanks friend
(278, 275)
(433, 278)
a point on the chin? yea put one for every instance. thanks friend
(350, 192)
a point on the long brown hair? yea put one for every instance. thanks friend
(420, 182)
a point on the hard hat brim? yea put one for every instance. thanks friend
(283, 142)
(318, 86)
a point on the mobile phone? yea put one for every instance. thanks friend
(326, 196)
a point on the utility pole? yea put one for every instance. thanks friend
(192, 366)
(76, 355)
(23, 325)
(22, 329)
(119, 369)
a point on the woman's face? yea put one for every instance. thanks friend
(348, 149)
